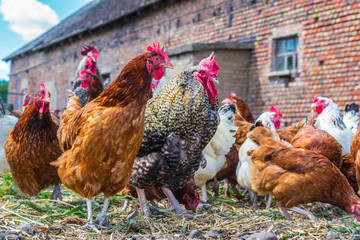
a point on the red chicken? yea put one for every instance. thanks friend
(297, 176)
(116, 120)
(318, 141)
(32, 145)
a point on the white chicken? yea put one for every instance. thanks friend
(330, 120)
(7, 123)
(217, 148)
(271, 119)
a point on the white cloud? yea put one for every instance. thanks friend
(29, 18)
(4, 70)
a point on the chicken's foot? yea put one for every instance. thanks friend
(126, 204)
(268, 204)
(56, 193)
(174, 202)
(101, 220)
(204, 193)
(253, 199)
(90, 224)
(304, 212)
(142, 200)
(285, 212)
(236, 190)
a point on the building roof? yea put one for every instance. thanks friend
(93, 15)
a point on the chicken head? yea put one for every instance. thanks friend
(157, 63)
(42, 100)
(275, 117)
(319, 104)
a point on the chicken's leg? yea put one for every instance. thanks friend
(268, 205)
(204, 193)
(101, 220)
(285, 212)
(237, 192)
(226, 188)
(253, 199)
(304, 212)
(174, 202)
(142, 200)
(126, 204)
(215, 187)
(56, 193)
(90, 224)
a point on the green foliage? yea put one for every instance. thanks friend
(4, 90)
(7, 186)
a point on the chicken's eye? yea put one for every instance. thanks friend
(156, 59)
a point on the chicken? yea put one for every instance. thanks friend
(7, 123)
(17, 114)
(186, 195)
(217, 148)
(243, 121)
(32, 145)
(349, 170)
(298, 176)
(87, 66)
(116, 120)
(319, 141)
(330, 120)
(241, 108)
(180, 121)
(289, 133)
(351, 116)
(271, 119)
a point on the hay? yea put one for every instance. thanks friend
(231, 218)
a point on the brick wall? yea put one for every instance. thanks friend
(328, 31)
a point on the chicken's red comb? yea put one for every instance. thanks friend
(43, 88)
(274, 110)
(210, 64)
(232, 95)
(89, 48)
(159, 50)
(316, 99)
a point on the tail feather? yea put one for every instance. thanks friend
(351, 116)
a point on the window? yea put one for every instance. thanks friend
(286, 54)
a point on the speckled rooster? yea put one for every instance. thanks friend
(179, 122)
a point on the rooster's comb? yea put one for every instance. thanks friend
(232, 95)
(43, 88)
(316, 99)
(157, 49)
(89, 48)
(210, 64)
(274, 110)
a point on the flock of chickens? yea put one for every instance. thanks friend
(133, 138)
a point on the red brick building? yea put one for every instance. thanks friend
(270, 52)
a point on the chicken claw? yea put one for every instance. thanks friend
(101, 220)
(142, 200)
(174, 202)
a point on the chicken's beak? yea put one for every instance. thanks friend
(168, 65)
(216, 80)
(94, 59)
(313, 106)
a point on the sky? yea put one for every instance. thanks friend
(23, 20)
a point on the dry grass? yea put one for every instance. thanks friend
(231, 218)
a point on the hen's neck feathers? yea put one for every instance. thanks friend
(33, 126)
(264, 118)
(133, 83)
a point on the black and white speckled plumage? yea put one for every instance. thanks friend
(77, 89)
(179, 122)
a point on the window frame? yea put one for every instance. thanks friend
(294, 54)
